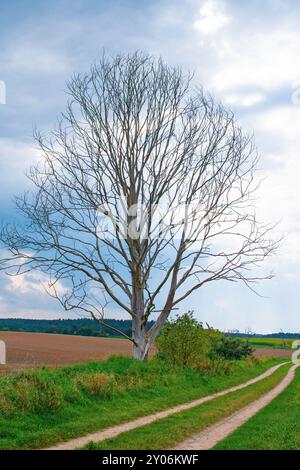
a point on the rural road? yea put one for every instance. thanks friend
(116, 430)
(208, 438)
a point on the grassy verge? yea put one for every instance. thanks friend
(47, 406)
(168, 432)
(276, 427)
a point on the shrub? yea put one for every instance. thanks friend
(6, 406)
(185, 342)
(47, 396)
(33, 392)
(97, 384)
(216, 367)
(231, 348)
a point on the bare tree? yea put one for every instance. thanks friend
(284, 343)
(233, 332)
(171, 175)
(249, 332)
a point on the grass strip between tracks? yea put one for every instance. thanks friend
(276, 427)
(168, 432)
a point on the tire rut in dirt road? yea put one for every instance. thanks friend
(114, 431)
(208, 438)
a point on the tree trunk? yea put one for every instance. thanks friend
(139, 321)
(140, 349)
(143, 339)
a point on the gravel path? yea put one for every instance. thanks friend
(116, 430)
(211, 436)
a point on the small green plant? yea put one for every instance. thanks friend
(231, 348)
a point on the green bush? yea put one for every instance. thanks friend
(185, 342)
(231, 348)
(216, 367)
(97, 384)
(29, 392)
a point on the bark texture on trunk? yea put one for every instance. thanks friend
(139, 336)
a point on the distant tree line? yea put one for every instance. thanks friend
(81, 326)
(257, 335)
(88, 327)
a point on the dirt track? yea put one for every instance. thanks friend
(27, 350)
(113, 431)
(208, 438)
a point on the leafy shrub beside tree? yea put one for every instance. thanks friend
(184, 341)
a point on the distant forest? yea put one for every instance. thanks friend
(88, 327)
(81, 326)
(271, 335)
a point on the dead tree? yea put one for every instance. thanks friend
(143, 195)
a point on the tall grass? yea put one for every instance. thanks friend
(50, 390)
(44, 406)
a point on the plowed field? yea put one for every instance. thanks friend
(27, 350)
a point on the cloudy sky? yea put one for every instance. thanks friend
(247, 54)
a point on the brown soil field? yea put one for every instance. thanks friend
(29, 350)
(273, 352)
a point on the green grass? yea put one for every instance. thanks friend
(276, 343)
(168, 432)
(46, 406)
(276, 427)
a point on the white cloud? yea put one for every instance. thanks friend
(280, 121)
(211, 17)
(264, 321)
(244, 99)
(15, 158)
(34, 312)
(277, 136)
(30, 57)
(267, 59)
(15, 154)
(32, 282)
